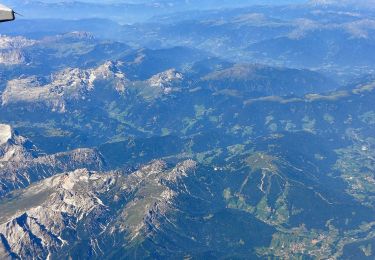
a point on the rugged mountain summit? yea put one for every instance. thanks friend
(22, 164)
(14, 147)
(165, 80)
(51, 217)
(11, 50)
(7, 42)
(66, 85)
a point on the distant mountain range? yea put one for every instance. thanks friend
(141, 75)
(299, 36)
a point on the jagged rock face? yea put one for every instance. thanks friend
(71, 84)
(12, 57)
(75, 85)
(166, 80)
(7, 42)
(52, 216)
(162, 84)
(11, 49)
(59, 209)
(14, 147)
(20, 174)
(21, 165)
(157, 187)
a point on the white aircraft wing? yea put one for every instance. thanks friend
(6, 14)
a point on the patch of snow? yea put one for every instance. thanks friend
(5, 133)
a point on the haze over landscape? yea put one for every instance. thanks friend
(176, 129)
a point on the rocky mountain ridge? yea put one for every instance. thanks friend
(14, 147)
(21, 163)
(97, 204)
(11, 50)
(67, 85)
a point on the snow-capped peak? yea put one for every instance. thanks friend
(5, 133)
